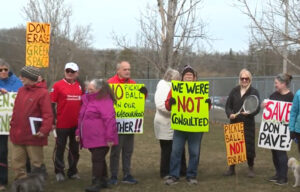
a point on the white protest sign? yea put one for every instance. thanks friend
(274, 129)
(6, 108)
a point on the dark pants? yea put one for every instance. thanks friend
(280, 160)
(73, 155)
(126, 143)
(3, 160)
(165, 156)
(99, 167)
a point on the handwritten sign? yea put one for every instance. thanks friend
(235, 143)
(274, 128)
(130, 108)
(6, 108)
(190, 113)
(37, 44)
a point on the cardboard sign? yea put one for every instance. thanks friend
(190, 113)
(130, 108)
(37, 44)
(235, 143)
(6, 108)
(274, 128)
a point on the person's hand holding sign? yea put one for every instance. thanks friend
(208, 101)
(172, 101)
(110, 143)
(3, 91)
(143, 90)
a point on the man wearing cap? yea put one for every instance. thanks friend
(66, 94)
(180, 137)
(32, 100)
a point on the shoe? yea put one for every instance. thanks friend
(129, 180)
(273, 178)
(113, 180)
(251, 173)
(192, 181)
(281, 182)
(230, 171)
(60, 177)
(95, 187)
(171, 181)
(2, 188)
(75, 176)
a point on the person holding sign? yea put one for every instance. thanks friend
(162, 123)
(233, 111)
(97, 129)
(179, 139)
(126, 141)
(66, 94)
(8, 83)
(280, 158)
(32, 101)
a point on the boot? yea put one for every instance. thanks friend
(95, 187)
(230, 171)
(251, 173)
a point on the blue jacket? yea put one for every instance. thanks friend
(294, 124)
(11, 84)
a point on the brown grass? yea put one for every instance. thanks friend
(145, 168)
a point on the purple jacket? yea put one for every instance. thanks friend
(97, 122)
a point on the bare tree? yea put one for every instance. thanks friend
(275, 23)
(64, 42)
(168, 31)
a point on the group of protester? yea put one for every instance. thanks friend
(85, 117)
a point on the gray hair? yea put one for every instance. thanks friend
(284, 78)
(4, 63)
(171, 74)
(118, 66)
(98, 83)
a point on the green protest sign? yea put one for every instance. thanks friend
(6, 108)
(190, 113)
(130, 108)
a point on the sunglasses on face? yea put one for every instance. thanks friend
(4, 70)
(244, 78)
(70, 71)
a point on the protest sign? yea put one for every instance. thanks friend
(274, 128)
(235, 143)
(37, 44)
(190, 113)
(6, 108)
(129, 108)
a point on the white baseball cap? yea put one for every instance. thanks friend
(72, 66)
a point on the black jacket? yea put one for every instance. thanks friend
(233, 105)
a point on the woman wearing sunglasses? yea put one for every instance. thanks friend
(233, 104)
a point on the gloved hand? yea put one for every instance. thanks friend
(172, 101)
(208, 101)
(293, 135)
(143, 90)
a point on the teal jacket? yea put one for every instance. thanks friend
(294, 124)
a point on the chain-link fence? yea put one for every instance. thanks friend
(220, 88)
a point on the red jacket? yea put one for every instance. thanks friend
(117, 80)
(31, 101)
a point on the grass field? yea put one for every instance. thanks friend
(145, 168)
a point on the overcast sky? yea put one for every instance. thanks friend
(225, 23)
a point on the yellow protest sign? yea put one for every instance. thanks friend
(130, 108)
(37, 44)
(190, 113)
(6, 108)
(235, 143)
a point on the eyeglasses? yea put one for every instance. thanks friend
(4, 70)
(70, 71)
(244, 78)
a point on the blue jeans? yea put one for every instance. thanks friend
(194, 142)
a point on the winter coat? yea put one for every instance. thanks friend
(97, 122)
(294, 124)
(162, 120)
(31, 101)
(11, 84)
(233, 105)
